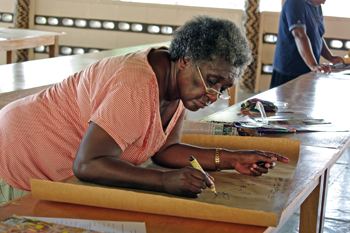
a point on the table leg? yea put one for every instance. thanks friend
(324, 199)
(9, 57)
(312, 211)
(53, 49)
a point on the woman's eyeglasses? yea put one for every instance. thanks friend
(222, 95)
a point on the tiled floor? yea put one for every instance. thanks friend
(337, 218)
(338, 199)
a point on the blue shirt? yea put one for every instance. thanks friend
(297, 14)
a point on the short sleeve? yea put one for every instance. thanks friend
(295, 14)
(125, 113)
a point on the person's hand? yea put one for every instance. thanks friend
(337, 60)
(246, 161)
(188, 182)
(323, 68)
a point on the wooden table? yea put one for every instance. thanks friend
(312, 94)
(302, 190)
(38, 74)
(14, 39)
(320, 96)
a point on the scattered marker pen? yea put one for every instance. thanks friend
(197, 166)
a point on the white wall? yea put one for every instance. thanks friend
(106, 10)
(174, 15)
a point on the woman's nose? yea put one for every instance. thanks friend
(212, 98)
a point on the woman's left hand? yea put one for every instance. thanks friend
(246, 161)
(337, 60)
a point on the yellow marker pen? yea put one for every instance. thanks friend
(197, 166)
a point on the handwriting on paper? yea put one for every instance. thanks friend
(243, 187)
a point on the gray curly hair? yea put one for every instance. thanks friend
(206, 39)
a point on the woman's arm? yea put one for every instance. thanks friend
(305, 50)
(176, 155)
(97, 161)
(327, 54)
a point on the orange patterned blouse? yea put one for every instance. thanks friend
(40, 134)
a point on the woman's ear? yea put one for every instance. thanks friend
(183, 62)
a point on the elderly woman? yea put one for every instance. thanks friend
(100, 124)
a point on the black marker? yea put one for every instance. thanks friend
(261, 164)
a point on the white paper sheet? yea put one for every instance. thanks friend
(96, 225)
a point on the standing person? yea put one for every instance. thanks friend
(300, 42)
(103, 122)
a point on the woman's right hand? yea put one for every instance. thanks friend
(187, 182)
(323, 68)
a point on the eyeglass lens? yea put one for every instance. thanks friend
(223, 95)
